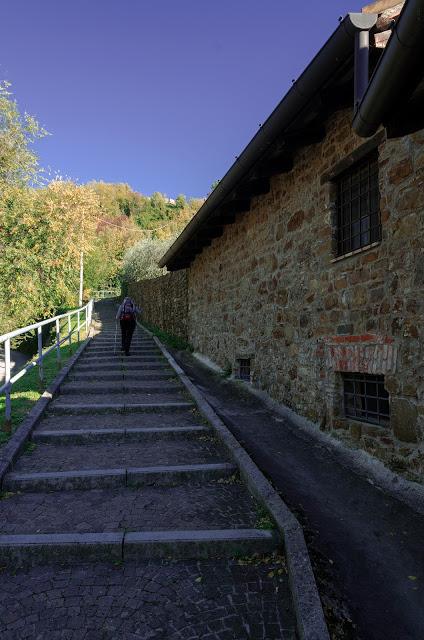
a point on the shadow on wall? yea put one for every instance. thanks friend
(164, 302)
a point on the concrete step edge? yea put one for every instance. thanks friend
(132, 434)
(31, 549)
(119, 408)
(124, 389)
(108, 478)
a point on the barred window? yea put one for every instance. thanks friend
(365, 398)
(244, 369)
(358, 210)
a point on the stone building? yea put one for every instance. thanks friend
(305, 266)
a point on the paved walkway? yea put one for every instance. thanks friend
(366, 547)
(123, 517)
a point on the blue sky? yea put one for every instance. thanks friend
(162, 94)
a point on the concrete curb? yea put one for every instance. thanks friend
(65, 480)
(200, 544)
(111, 407)
(119, 546)
(310, 619)
(136, 434)
(93, 389)
(24, 550)
(14, 446)
(163, 475)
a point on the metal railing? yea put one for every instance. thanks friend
(83, 319)
(101, 294)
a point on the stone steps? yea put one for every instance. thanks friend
(83, 436)
(21, 550)
(159, 476)
(129, 366)
(110, 358)
(155, 404)
(122, 469)
(152, 419)
(120, 376)
(124, 387)
(203, 505)
(56, 456)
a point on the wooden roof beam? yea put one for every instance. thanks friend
(254, 187)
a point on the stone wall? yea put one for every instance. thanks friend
(270, 289)
(164, 302)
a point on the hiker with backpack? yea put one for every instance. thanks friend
(126, 315)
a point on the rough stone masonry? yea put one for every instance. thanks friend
(271, 290)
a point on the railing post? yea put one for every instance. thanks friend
(78, 324)
(58, 340)
(86, 320)
(8, 418)
(40, 355)
(69, 331)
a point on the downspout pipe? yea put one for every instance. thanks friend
(335, 51)
(362, 66)
(396, 73)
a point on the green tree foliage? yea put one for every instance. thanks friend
(43, 232)
(104, 262)
(18, 164)
(181, 201)
(44, 229)
(118, 199)
(141, 261)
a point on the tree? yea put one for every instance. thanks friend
(18, 164)
(118, 199)
(180, 201)
(43, 232)
(104, 262)
(141, 261)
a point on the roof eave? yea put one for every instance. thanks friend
(335, 51)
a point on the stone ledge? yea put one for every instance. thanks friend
(65, 480)
(109, 435)
(169, 475)
(22, 550)
(199, 544)
(119, 408)
(163, 475)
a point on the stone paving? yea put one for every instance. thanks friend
(117, 417)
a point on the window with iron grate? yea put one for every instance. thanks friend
(244, 369)
(358, 206)
(365, 398)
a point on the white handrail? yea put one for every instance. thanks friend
(111, 292)
(9, 380)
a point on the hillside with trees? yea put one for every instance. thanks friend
(46, 224)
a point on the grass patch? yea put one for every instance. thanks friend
(27, 390)
(167, 338)
(263, 519)
(29, 447)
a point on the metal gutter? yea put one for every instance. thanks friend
(395, 76)
(336, 50)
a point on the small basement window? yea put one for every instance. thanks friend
(365, 398)
(358, 221)
(244, 369)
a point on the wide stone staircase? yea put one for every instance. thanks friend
(123, 466)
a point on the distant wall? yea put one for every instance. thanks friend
(164, 302)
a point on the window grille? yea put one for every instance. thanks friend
(366, 399)
(358, 208)
(244, 369)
